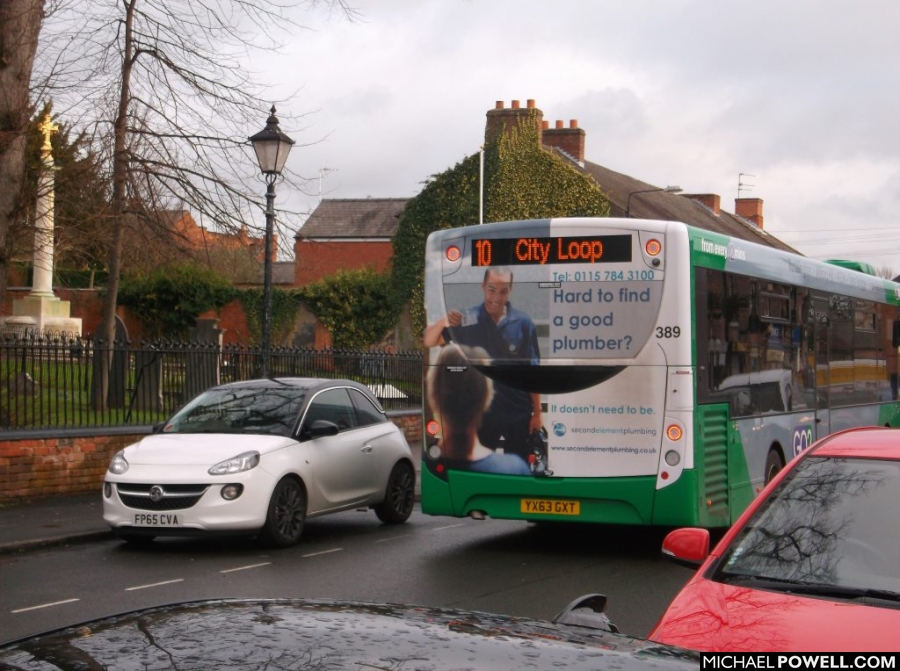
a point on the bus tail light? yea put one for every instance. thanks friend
(433, 428)
(674, 453)
(653, 247)
(453, 253)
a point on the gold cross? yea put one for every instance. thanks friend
(47, 127)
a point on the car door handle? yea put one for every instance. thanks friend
(366, 449)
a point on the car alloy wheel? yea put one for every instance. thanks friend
(399, 496)
(286, 515)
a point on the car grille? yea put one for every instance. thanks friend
(174, 497)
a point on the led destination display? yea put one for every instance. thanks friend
(541, 251)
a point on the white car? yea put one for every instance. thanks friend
(259, 457)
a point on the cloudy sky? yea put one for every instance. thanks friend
(803, 96)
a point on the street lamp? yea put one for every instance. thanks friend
(272, 148)
(667, 189)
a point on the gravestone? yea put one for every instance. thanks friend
(202, 364)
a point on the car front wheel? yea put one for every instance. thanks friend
(398, 500)
(286, 514)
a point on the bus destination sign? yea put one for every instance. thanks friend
(541, 251)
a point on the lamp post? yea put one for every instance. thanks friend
(272, 148)
(667, 189)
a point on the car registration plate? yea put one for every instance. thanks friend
(550, 507)
(157, 520)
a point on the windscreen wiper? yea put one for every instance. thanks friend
(812, 589)
(845, 592)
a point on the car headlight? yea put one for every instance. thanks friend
(118, 465)
(242, 462)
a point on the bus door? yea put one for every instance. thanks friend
(821, 325)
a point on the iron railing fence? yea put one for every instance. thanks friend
(54, 381)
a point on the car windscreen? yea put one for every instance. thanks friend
(830, 522)
(266, 410)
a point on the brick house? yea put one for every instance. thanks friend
(345, 234)
(199, 239)
(627, 194)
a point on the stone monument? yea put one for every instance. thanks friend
(41, 311)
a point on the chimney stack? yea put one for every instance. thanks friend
(570, 140)
(750, 209)
(501, 120)
(709, 200)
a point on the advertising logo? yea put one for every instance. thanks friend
(803, 438)
(559, 429)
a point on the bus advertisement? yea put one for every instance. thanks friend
(636, 371)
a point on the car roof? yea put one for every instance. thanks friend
(871, 442)
(306, 383)
(338, 635)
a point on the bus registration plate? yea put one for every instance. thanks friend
(550, 507)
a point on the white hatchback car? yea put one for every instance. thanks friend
(259, 457)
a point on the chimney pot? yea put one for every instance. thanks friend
(545, 125)
(501, 121)
(530, 103)
(573, 123)
(559, 123)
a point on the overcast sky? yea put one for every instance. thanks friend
(804, 95)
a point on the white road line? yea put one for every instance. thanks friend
(452, 526)
(324, 552)
(244, 568)
(392, 538)
(45, 605)
(156, 584)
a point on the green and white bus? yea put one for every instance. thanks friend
(673, 369)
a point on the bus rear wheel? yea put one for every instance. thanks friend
(774, 463)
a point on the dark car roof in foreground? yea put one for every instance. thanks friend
(307, 634)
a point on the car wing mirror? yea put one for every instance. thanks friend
(586, 611)
(687, 547)
(321, 427)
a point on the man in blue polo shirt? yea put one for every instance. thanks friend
(508, 335)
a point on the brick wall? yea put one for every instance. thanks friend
(315, 260)
(45, 467)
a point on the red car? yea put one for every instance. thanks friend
(812, 565)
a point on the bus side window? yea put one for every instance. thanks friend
(742, 403)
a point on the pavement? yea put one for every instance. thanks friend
(60, 520)
(68, 519)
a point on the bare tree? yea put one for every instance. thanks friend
(165, 84)
(20, 25)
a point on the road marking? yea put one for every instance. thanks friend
(392, 538)
(452, 526)
(244, 568)
(324, 552)
(44, 605)
(156, 584)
